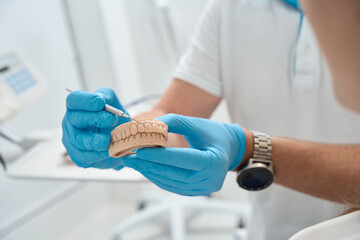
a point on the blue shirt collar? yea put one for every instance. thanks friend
(293, 3)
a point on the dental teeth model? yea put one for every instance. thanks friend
(133, 135)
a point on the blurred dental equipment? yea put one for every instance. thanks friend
(20, 85)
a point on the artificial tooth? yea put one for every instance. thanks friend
(134, 130)
(137, 136)
(143, 135)
(155, 128)
(132, 138)
(128, 133)
(148, 134)
(141, 128)
(148, 127)
(161, 129)
(121, 141)
(123, 135)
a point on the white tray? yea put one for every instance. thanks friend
(46, 161)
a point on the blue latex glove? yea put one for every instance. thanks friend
(215, 148)
(86, 128)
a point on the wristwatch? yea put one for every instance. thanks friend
(258, 174)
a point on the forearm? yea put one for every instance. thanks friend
(185, 99)
(327, 171)
(152, 113)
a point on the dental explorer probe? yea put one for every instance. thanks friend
(113, 110)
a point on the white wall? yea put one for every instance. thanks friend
(132, 46)
(90, 41)
(145, 39)
(37, 30)
(141, 50)
(184, 16)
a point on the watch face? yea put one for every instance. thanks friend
(255, 178)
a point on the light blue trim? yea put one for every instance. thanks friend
(296, 5)
(297, 41)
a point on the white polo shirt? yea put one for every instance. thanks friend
(274, 80)
(345, 227)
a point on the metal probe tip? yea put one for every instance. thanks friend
(135, 120)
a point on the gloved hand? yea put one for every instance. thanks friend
(215, 148)
(87, 126)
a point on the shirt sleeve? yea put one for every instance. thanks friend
(200, 65)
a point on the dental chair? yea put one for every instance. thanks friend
(153, 206)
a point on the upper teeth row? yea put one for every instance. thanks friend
(133, 130)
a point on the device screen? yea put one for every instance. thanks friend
(4, 69)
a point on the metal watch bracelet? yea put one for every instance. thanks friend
(262, 146)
